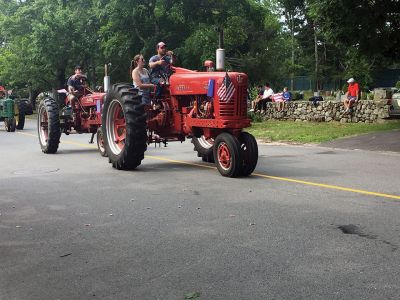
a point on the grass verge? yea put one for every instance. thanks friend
(310, 132)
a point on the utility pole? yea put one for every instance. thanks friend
(292, 73)
(316, 56)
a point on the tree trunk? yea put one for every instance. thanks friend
(61, 77)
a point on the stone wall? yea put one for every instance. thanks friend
(366, 111)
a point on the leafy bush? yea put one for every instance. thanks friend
(255, 118)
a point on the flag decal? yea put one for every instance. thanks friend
(226, 90)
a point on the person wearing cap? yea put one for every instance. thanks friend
(352, 94)
(76, 85)
(160, 66)
(209, 66)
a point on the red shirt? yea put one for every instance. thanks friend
(353, 90)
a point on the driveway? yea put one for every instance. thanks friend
(376, 141)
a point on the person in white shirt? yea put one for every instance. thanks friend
(267, 97)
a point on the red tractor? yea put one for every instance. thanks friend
(209, 107)
(61, 116)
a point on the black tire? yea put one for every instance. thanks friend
(249, 153)
(204, 148)
(12, 124)
(7, 125)
(100, 142)
(21, 115)
(227, 155)
(48, 125)
(126, 145)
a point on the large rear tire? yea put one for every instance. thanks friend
(124, 127)
(21, 115)
(227, 155)
(48, 125)
(249, 153)
(204, 148)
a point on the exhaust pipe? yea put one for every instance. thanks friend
(107, 80)
(220, 54)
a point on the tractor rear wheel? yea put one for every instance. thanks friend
(48, 125)
(21, 115)
(204, 148)
(124, 127)
(100, 142)
(227, 155)
(249, 152)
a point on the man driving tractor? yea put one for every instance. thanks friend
(160, 67)
(76, 85)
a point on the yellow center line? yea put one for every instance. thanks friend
(322, 185)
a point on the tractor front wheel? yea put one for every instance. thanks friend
(124, 127)
(48, 124)
(204, 148)
(249, 153)
(21, 115)
(227, 155)
(100, 142)
(12, 124)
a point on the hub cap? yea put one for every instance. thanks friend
(224, 156)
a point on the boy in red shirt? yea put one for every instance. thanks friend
(352, 94)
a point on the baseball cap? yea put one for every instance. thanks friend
(351, 80)
(161, 44)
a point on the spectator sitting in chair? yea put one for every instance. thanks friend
(267, 97)
(258, 98)
(287, 96)
(352, 94)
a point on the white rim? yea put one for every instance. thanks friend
(110, 131)
(42, 135)
(206, 143)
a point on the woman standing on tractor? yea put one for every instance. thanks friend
(141, 78)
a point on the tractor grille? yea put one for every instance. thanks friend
(227, 109)
(237, 106)
(241, 103)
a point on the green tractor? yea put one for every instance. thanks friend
(11, 113)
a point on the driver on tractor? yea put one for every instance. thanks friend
(160, 67)
(76, 85)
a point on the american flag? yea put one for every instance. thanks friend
(277, 97)
(226, 90)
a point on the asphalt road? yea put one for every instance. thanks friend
(312, 223)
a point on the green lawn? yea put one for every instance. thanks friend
(310, 132)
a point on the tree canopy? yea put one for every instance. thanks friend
(271, 40)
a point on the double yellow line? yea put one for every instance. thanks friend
(321, 185)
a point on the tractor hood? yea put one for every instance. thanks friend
(188, 82)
